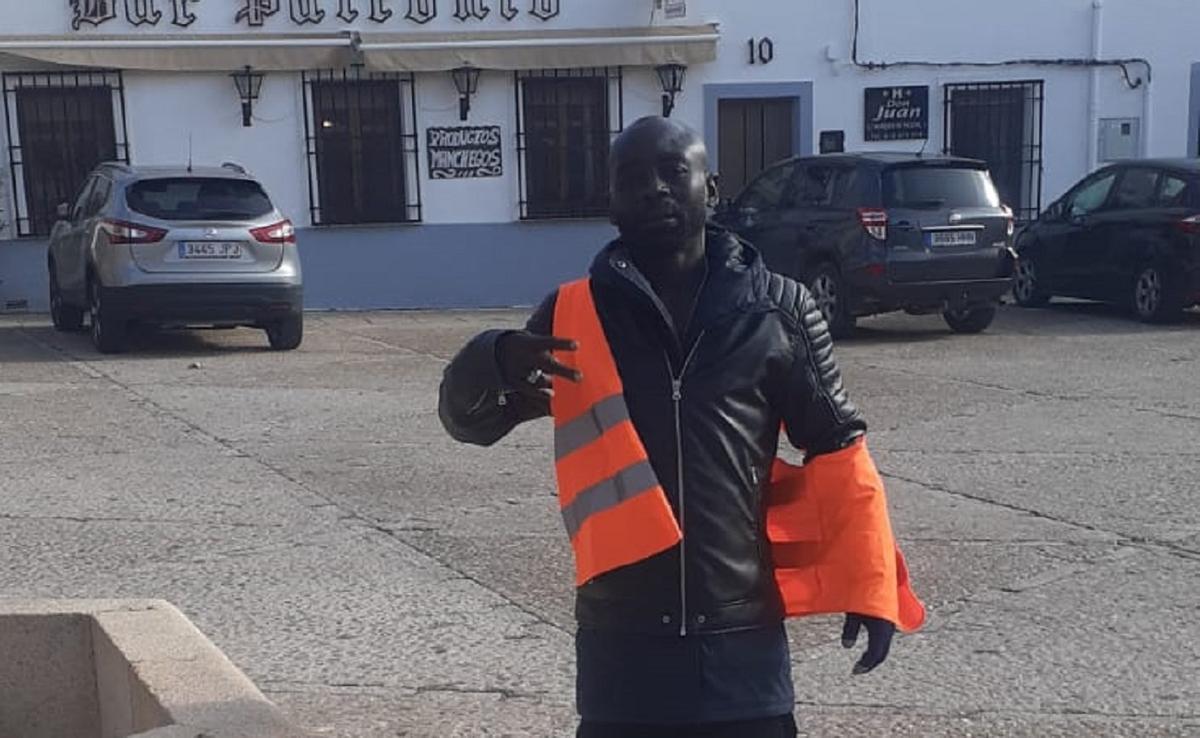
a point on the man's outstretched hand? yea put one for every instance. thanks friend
(879, 639)
(527, 362)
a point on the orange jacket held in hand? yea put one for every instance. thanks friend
(827, 521)
(832, 542)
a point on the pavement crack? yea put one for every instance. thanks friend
(1039, 394)
(1167, 414)
(85, 519)
(397, 347)
(995, 503)
(501, 692)
(1121, 539)
(983, 713)
(284, 686)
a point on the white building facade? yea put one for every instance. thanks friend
(358, 130)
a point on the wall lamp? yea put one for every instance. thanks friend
(671, 77)
(466, 81)
(249, 84)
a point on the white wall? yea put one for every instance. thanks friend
(163, 108)
(808, 31)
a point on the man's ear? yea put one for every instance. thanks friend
(713, 189)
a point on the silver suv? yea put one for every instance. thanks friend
(174, 247)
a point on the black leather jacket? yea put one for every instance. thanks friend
(757, 354)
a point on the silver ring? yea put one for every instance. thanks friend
(535, 377)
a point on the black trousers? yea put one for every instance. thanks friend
(779, 727)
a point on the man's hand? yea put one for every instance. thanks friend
(526, 362)
(879, 639)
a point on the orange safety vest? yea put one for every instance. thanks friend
(615, 511)
(827, 521)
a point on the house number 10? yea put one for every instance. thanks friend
(762, 51)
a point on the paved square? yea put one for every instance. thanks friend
(309, 514)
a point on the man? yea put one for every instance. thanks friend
(707, 354)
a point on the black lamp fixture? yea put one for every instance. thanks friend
(671, 77)
(249, 84)
(466, 81)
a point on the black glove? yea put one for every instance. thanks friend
(879, 639)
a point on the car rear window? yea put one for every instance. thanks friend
(938, 187)
(1175, 191)
(198, 198)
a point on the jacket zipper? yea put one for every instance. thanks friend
(676, 399)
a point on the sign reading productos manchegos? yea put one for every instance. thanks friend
(466, 152)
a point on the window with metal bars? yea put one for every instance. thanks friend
(566, 119)
(361, 134)
(1001, 123)
(59, 125)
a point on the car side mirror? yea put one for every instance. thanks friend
(63, 211)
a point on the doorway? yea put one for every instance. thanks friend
(754, 133)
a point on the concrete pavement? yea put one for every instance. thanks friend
(307, 512)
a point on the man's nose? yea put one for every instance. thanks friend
(654, 186)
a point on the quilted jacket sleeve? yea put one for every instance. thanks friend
(473, 403)
(818, 415)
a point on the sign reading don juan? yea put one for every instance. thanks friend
(458, 153)
(897, 113)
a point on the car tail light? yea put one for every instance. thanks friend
(1189, 225)
(120, 231)
(874, 222)
(1011, 228)
(281, 232)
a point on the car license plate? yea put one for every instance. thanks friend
(952, 238)
(210, 250)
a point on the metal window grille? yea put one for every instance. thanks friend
(60, 125)
(566, 119)
(360, 130)
(1001, 123)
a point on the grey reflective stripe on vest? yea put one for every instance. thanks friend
(590, 426)
(626, 484)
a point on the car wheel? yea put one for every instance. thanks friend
(970, 320)
(1028, 289)
(829, 292)
(66, 318)
(1157, 297)
(108, 330)
(286, 334)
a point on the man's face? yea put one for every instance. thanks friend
(659, 185)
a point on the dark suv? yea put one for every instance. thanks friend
(873, 233)
(1127, 234)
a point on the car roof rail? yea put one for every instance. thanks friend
(118, 165)
(234, 167)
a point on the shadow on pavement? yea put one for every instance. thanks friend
(32, 343)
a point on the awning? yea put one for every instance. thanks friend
(395, 52)
(546, 49)
(187, 52)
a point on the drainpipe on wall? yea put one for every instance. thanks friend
(1093, 139)
(1146, 128)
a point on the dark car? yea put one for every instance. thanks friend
(1127, 234)
(874, 233)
